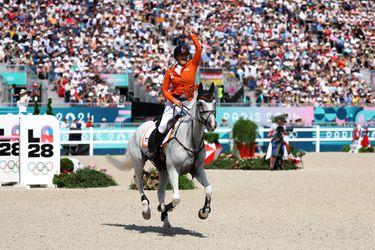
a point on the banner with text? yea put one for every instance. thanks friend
(40, 149)
(263, 115)
(9, 150)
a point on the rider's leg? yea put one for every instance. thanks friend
(167, 116)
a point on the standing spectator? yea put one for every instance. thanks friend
(23, 102)
(35, 93)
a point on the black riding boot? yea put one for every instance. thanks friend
(158, 140)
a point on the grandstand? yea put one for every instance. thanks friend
(263, 53)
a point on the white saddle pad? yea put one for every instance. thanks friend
(146, 137)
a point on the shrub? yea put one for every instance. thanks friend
(244, 131)
(151, 181)
(66, 165)
(346, 148)
(222, 163)
(36, 108)
(83, 178)
(211, 137)
(49, 107)
(225, 162)
(184, 183)
(366, 150)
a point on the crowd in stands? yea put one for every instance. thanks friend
(288, 51)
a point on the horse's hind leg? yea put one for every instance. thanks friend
(138, 171)
(200, 175)
(163, 181)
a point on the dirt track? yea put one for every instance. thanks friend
(330, 204)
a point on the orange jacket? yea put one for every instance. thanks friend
(184, 83)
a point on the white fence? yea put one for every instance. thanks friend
(319, 134)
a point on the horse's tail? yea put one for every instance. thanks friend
(124, 164)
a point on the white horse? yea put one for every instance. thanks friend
(184, 153)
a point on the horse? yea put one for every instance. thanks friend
(184, 152)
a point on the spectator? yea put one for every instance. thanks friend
(23, 102)
(35, 93)
(283, 45)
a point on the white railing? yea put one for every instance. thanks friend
(89, 136)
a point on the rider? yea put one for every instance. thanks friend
(280, 124)
(182, 78)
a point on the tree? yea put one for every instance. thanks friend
(244, 134)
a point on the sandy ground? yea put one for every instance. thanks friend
(330, 204)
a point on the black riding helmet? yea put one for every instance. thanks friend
(181, 49)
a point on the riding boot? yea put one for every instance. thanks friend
(158, 140)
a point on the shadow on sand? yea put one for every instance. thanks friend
(173, 231)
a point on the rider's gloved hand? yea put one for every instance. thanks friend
(178, 103)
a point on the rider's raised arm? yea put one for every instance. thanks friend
(198, 49)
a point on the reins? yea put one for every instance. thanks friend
(174, 137)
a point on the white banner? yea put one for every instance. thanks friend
(9, 149)
(40, 149)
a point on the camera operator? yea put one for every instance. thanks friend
(277, 133)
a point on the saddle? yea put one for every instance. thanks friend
(156, 154)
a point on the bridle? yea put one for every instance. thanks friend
(203, 121)
(201, 145)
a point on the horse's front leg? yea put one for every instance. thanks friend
(165, 208)
(200, 175)
(163, 181)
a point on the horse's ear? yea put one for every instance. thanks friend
(200, 88)
(212, 89)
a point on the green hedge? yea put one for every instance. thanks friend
(66, 165)
(346, 148)
(366, 150)
(246, 164)
(84, 178)
(151, 181)
(211, 137)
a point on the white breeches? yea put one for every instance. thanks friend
(170, 112)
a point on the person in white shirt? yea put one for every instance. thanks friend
(23, 102)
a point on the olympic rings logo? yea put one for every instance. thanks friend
(40, 168)
(10, 166)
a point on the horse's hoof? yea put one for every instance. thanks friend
(203, 215)
(159, 208)
(146, 215)
(166, 225)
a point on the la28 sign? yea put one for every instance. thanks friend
(10, 147)
(40, 146)
(39, 149)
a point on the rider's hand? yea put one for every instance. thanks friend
(189, 29)
(178, 103)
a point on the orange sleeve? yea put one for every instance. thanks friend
(166, 85)
(198, 50)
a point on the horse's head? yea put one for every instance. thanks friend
(206, 107)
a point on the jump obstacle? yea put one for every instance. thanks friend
(29, 150)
